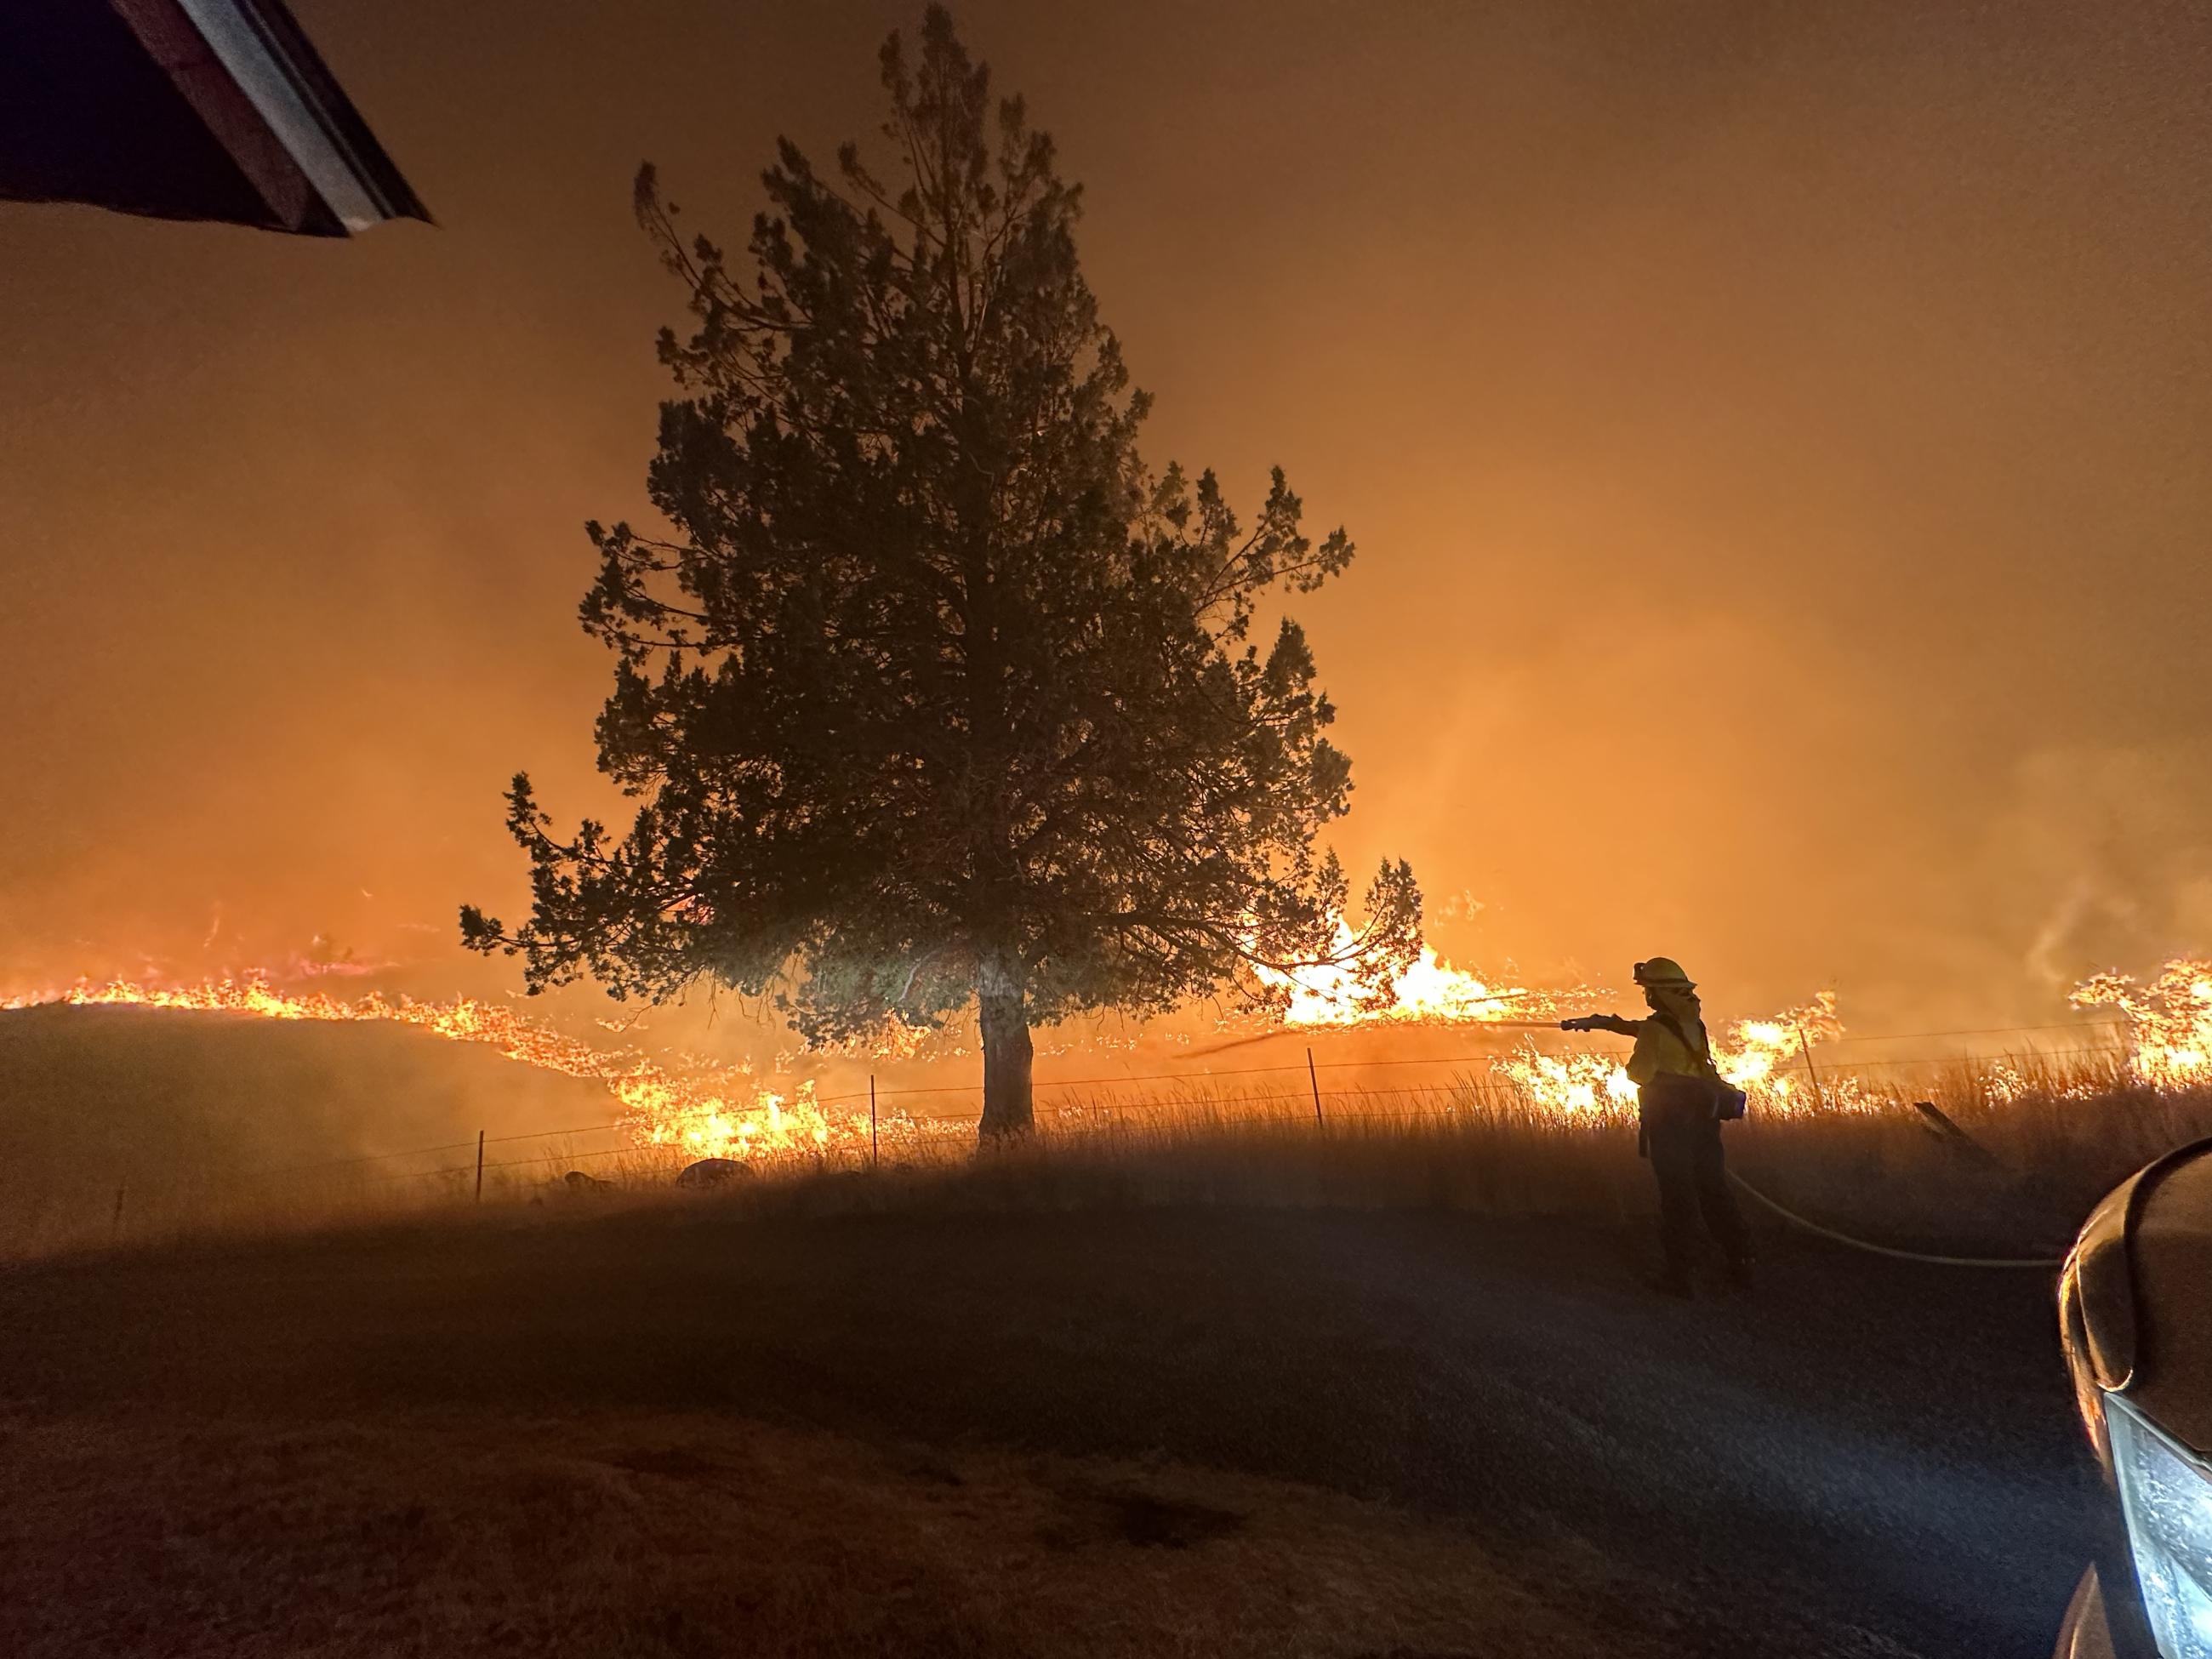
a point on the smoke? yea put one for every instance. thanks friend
(1777, 443)
(2109, 839)
(160, 1102)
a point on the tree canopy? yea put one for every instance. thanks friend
(931, 694)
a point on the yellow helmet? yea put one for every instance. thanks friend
(1663, 973)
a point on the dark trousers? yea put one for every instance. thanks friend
(1683, 1142)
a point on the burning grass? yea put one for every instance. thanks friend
(2014, 1161)
(519, 1423)
(697, 1109)
(2020, 1150)
(2019, 1146)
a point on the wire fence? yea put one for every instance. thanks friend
(1495, 1128)
(1201, 1088)
(1488, 1057)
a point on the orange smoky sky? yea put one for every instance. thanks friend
(1778, 439)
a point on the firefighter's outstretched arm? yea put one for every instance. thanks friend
(1613, 1022)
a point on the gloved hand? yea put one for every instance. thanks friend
(1586, 1023)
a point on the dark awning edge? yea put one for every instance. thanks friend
(267, 97)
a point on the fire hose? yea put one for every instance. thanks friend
(2039, 1263)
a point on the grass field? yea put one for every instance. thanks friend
(1186, 1373)
(96, 1156)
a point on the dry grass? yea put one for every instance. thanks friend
(467, 1534)
(625, 1425)
(2036, 1145)
(2026, 1152)
(468, 1429)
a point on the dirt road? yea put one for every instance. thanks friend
(1865, 1458)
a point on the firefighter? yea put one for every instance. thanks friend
(1682, 1099)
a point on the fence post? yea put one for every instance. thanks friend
(480, 1135)
(1314, 1078)
(1933, 1116)
(1819, 1096)
(875, 1148)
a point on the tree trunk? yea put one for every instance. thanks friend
(1006, 1055)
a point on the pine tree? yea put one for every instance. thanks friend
(934, 695)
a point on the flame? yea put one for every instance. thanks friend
(2168, 1021)
(1760, 1056)
(1430, 991)
(709, 1111)
(1576, 1085)
(705, 1111)
(714, 1112)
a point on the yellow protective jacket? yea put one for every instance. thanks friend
(1660, 1053)
(1658, 1049)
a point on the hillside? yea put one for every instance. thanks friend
(153, 1102)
